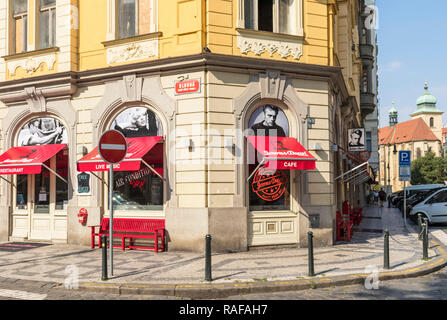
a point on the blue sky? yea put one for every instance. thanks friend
(412, 40)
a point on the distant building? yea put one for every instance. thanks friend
(420, 135)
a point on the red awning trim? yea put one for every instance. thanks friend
(27, 159)
(137, 149)
(283, 153)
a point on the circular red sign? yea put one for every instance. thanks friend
(83, 211)
(112, 146)
(269, 184)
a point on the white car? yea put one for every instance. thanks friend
(434, 207)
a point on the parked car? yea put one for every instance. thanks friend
(414, 190)
(433, 207)
(418, 197)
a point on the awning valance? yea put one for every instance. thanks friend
(137, 148)
(283, 153)
(27, 159)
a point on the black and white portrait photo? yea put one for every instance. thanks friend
(42, 131)
(356, 139)
(269, 120)
(137, 122)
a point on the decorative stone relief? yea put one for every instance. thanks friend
(36, 100)
(31, 64)
(260, 44)
(133, 51)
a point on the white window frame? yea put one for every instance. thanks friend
(299, 14)
(113, 18)
(51, 41)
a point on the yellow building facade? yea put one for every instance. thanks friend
(202, 72)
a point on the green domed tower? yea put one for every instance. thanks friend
(427, 110)
(393, 116)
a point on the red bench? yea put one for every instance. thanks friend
(132, 229)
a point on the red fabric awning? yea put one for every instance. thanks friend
(137, 148)
(283, 153)
(27, 159)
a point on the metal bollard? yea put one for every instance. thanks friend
(419, 226)
(208, 258)
(310, 245)
(425, 240)
(104, 258)
(386, 247)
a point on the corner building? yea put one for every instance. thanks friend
(195, 75)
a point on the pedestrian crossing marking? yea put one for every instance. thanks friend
(22, 295)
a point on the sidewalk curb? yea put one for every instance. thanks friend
(215, 291)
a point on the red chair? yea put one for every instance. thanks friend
(344, 227)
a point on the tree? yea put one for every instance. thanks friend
(429, 170)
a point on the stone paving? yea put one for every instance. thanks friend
(54, 263)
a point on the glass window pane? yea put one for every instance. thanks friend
(44, 29)
(53, 28)
(61, 186)
(22, 192)
(265, 15)
(287, 17)
(42, 190)
(269, 189)
(137, 190)
(249, 15)
(127, 16)
(20, 6)
(47, 3)
(144, 16)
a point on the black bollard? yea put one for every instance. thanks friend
(386, 247)
(208, 258)
(311, 253)
(425, 240)
(419, 226)
(104, 258)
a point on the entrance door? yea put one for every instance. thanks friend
(40, 202)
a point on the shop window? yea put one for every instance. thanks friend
(142, 189)
(61, 186)
(22, 192)
(269, 189)
(133, 18)
(20, 26)
(280, 16)
(47, 24)
(42, 190)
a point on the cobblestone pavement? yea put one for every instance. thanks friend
(430, 287)
(52, 263)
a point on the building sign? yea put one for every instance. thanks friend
(356, 140)
(187, 86)
(404, 165)
(269, 184)
(84, 188)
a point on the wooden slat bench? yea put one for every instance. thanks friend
(132, 229)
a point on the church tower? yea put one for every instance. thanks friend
(427, 110)
(393, 116)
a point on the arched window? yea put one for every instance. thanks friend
(432, 122)
(142, 189)
(418, 153)
(269, 189)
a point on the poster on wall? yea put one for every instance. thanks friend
(269, 120)
(356, 140)
(42, 131)
(84, 188)
(137, 122)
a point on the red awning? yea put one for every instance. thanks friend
(27, 159)
(283, 153)
(137, 148)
